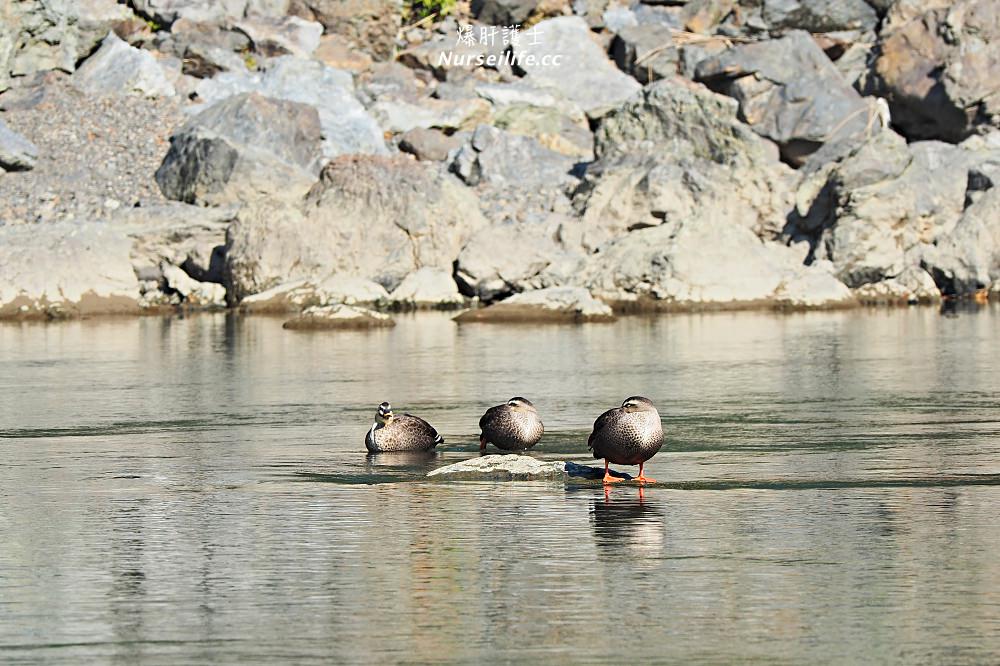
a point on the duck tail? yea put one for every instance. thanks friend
(439, 440)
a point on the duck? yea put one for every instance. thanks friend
(512, 426)
(406, 432)
(627, 435)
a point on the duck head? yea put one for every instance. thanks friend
(384, 413)
(519, 404)
(638, 404)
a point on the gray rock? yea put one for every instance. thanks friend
(370, 24)
(937, 66)
(698, 262)
(427, 287)
(678, 153)
(402, 115)
(205, 48)
(373, 217)
(914, 285)
(444, 53)
(967, 260)
(516, 468)
(244, 148)
(428, 144)
(503, 12)
(820, 15)
(646, 51)
(193, 293)
(560, 54)
(166, 12)
(874, 209)
(338, 317)
(789, 92)
(552, 128)
(117, 68)
(41, 35)
(502, 158)
(505, 258)
(347, 127)
(288, 35)
(62, 270)
(556, 305)
(16, 152)
(189, 237)
(702, 16)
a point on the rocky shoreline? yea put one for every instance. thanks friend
(327, 159)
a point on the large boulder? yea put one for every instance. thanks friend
(375, 217)
(289, 35)
(347, 127)
(789, 92)
(967, 260)
(61, 270)
(16, 152)
(247, 147)
(678, 152)
(937, 66)
(646, 51)
(295, 296)
(554, 129)
(503, 12)
(166, 12)
(517, 468)
(117, 68)
(559, 53)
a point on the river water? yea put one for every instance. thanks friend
(196, 490)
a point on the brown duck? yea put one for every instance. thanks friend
(627, 435)
(400, 433)
(512, 426)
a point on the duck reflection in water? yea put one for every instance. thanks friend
(627, 522)
(418, 460)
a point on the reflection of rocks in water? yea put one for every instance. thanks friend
(627, 522)
(376, 462)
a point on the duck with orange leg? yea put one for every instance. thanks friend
(627, 435)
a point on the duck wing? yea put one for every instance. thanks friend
(490, 414)
(417, 426)
(602, 421)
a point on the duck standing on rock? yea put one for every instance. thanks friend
(627, 435)
(512, 426)
(392, 433)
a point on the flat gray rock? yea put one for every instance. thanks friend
(517, 468)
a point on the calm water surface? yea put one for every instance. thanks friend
(196, 491)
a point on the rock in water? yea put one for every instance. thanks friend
(244, 148)
(337, 317)
(516, 468)
(560, 305)
(65, 269)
